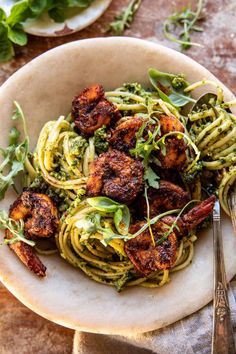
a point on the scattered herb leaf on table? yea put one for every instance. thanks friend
(184, 22)
(124, 20)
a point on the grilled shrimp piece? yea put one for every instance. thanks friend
(193, 218)
(123, 137)
(146, 257)
(41, 219)
(115, 175)
(167, 197)
(175, 156)
(170, 124)
(91, 110)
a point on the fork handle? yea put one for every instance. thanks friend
(222, 339)
(232, 208)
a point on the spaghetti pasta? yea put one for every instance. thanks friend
(94, 232)
(109, 264)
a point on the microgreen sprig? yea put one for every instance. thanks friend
(148, 214)
(16, 229)
(15, 156)
(124, 20)
(185, 20)
(175, 223)
(129, 236)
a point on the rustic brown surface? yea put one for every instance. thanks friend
(21, 331)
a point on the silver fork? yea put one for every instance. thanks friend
(232, 207)
(222, 336)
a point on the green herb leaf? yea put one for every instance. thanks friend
(151, 177)
(57, 14)
(19, 13)
(103, 204)
(170, 87)
(118, 218)
(79, 3)
(184, 22)
(14, 136)
(124, 20)
(15, 227)
(6, 47)
(37, 6)
(122, 220)
(14, 156)
(17, 35)
(2, 15)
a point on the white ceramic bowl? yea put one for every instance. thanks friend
(76, 20)
(45, 88)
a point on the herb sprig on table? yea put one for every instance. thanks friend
(11, 27)
(124, 19)
(184, 22)
(15, 156)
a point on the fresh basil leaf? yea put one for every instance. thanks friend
(37, 6)
(6, 47)
(156, 76)
(17, 35)
(179, 100)
(170, 87)
(118, 218)
(103, 204)
(125, 221)
(122, 220)
(57, 14)
(79, 3)
(19, 13)
(2, 15)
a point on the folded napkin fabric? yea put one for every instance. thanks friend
(191, 335)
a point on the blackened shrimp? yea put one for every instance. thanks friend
(40, 218)
(175, 155)
(167, 197)
(170, 124)
(193, 218)
(91, 110)
(144, 255)
(123, 138)
(148, 257)
(115, 175)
